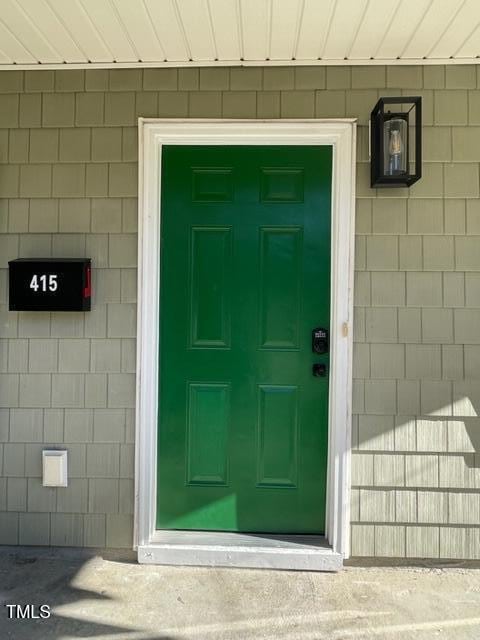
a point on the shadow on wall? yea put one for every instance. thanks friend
(453, 428)
(416, 470)
(39, 577)
(465, 420)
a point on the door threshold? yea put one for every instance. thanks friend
(255, 551)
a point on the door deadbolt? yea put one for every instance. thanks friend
(319, 370)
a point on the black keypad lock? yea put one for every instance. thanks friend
(320, 341)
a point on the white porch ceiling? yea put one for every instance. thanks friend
(106, 33)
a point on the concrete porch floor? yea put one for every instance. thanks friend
(110, 596)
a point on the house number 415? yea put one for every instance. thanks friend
(44, 283)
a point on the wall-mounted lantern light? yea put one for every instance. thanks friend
(396, 142)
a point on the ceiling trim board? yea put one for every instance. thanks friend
(242, 63)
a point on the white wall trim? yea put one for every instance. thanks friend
(154, 133)
(180, 64)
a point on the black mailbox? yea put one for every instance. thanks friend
(50, 284)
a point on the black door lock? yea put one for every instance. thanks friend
(319, 370)
(320, 341)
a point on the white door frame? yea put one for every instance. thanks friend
(153, 134)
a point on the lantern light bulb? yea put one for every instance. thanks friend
(395, 156)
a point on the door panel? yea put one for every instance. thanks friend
(210, 286)
(280, 286)
(277, 436)
(208, 430)
(245, 277)
(282, 185)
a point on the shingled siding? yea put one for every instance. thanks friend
(68, 186)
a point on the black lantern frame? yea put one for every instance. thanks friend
(380, 117)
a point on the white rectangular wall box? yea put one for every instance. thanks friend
(54, 468)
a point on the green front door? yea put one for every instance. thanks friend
(245, 278)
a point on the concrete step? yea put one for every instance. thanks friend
(225, 549)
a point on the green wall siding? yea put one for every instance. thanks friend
(68, 175)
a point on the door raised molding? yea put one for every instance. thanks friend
(153, 134)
